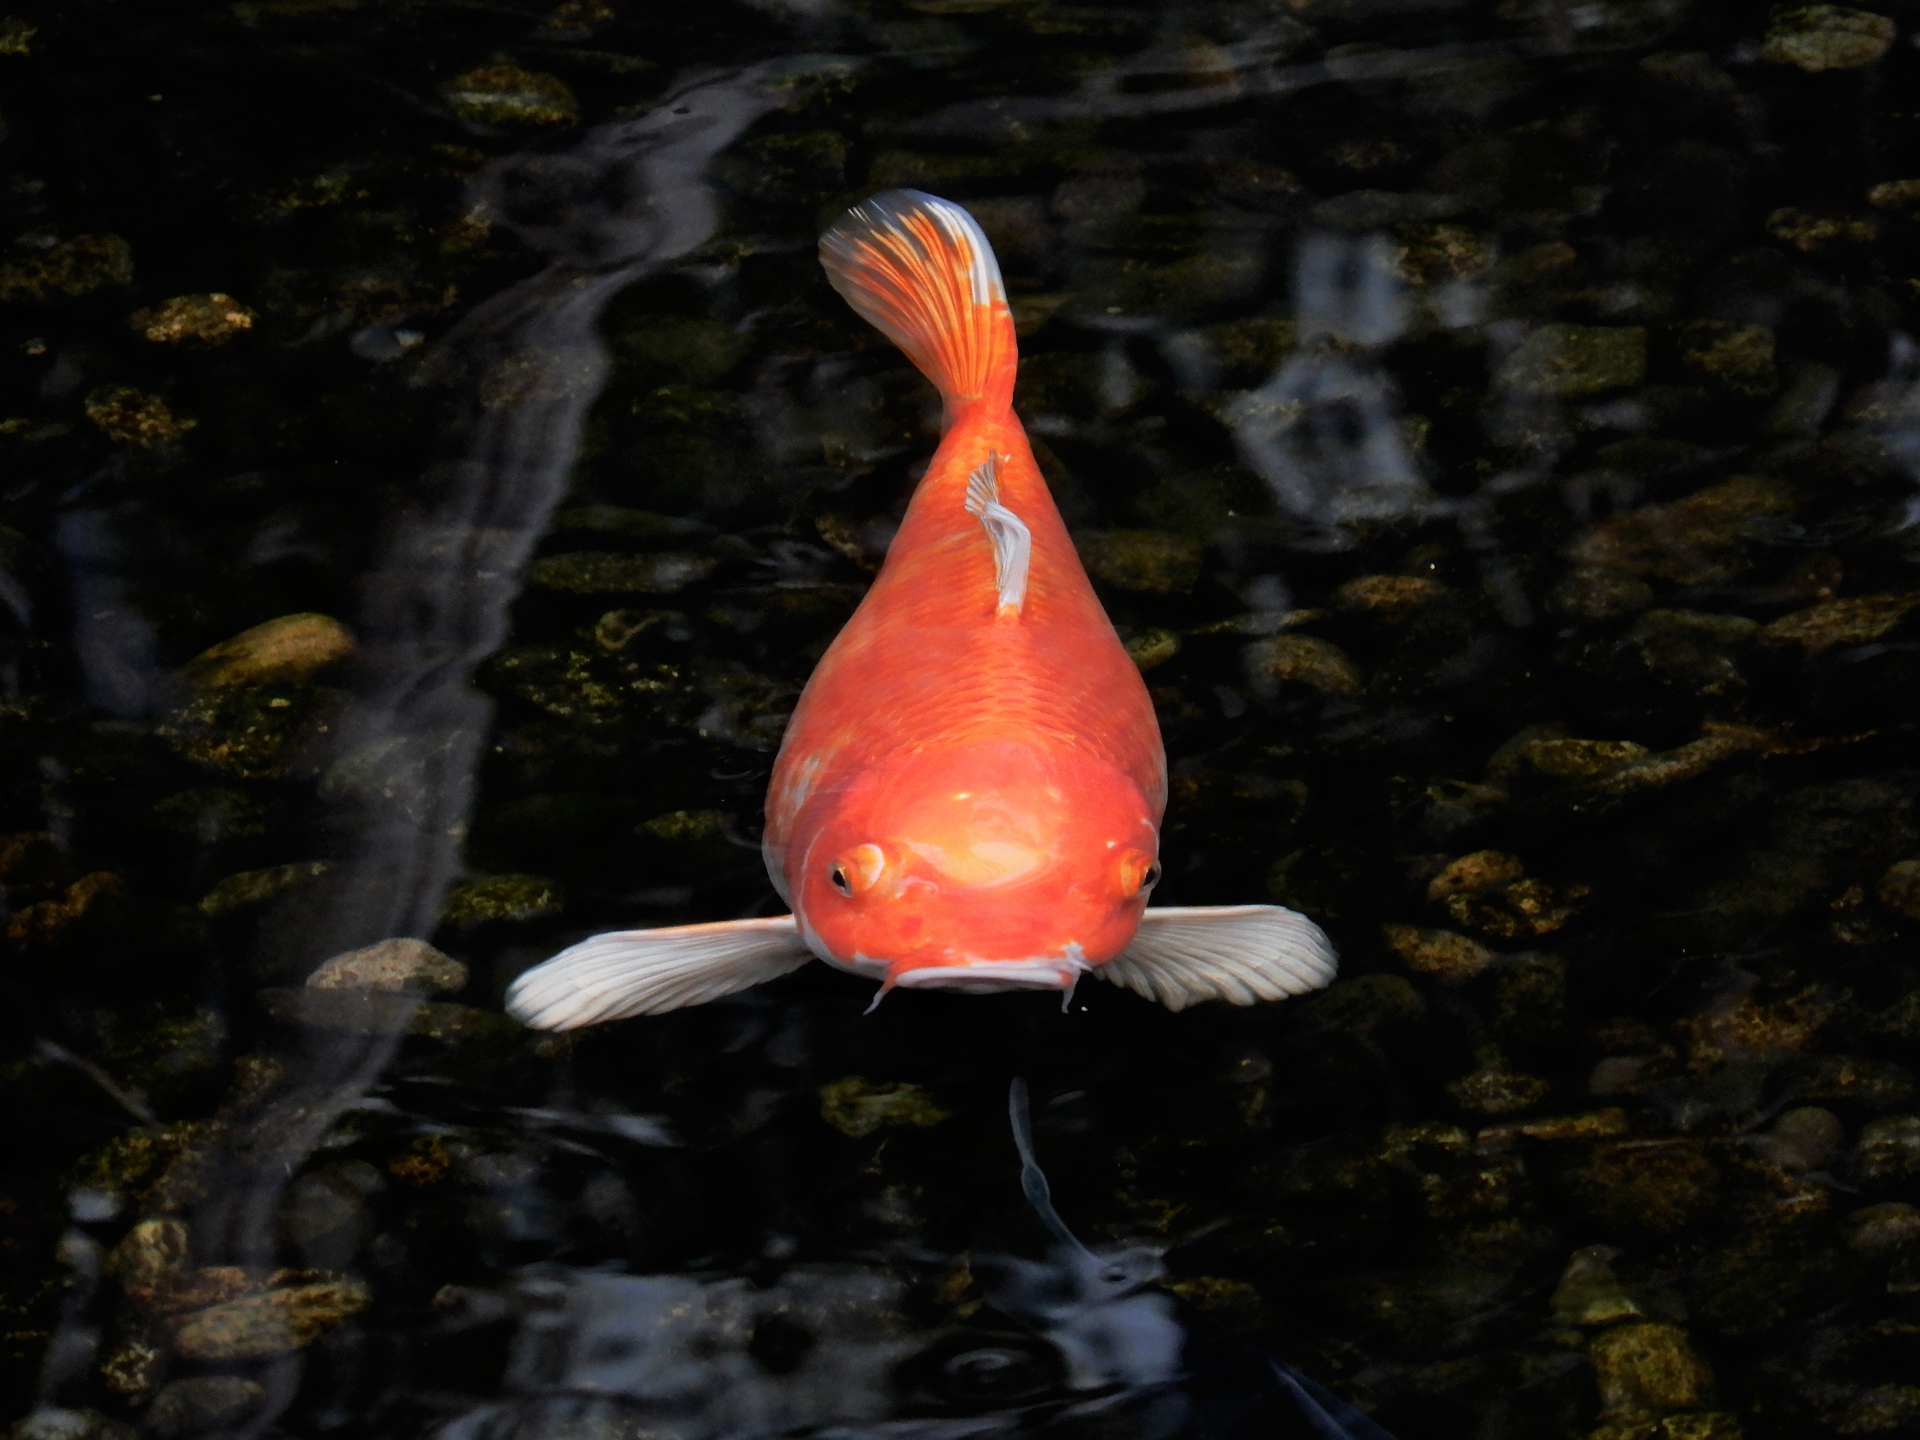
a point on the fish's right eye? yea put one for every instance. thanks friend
(838, 875)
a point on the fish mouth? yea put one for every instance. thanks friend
(990, 977)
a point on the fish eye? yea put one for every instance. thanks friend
(1137, 872)
(838, 875)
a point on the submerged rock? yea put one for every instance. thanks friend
(593, 572)
(274, 1322)
(1855, 620)
(1146, 560)
(1304, 660)
(502, 897)
(290, 650)
(1571, 759)
(1594, 594)
(1737, 357)
(1810, 232)
(254, 887)
(391, 965)
(1888, 1149)
(133, 416)
(1391, 597)
(1649, 1188)
(1648, 1366)
(1589, 1293)
(1899, 889)
(1443, 954)
(1473, 873)
(211, 319)
(1827, 37)
(80, 265)
(857, 1106)
(1574, 360)
(1151, 649)
(200, 1403)
(505, 94)
(1699, 540)
(1496, 1090)
(1882, 1230)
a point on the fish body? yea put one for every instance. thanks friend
(969, 793)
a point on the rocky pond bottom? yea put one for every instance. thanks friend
(431, 461)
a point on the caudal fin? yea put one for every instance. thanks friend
(920, 270)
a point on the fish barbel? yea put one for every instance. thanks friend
(969, 793)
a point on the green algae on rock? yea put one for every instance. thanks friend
(76, 267)
(1392, 598)
(211, 319)
(1738, 357)
(133, 416)
(1899, 889)
(1854, 620)
(856, 1106)
(1827, 37)
(255, 887)
(1648, 1366)
(502, 897)
(505, 94)
(1153, 648)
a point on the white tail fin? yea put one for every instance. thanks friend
(920, 270)
(648, 972)
(1241, 954)
(1012, 541)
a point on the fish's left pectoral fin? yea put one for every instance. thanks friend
(1242, 954)
(648, 972)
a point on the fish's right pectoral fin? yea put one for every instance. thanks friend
(648, 972)
(1242, 954)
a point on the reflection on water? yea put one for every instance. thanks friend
(431, 462)
(1325, 432)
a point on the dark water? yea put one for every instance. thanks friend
(1496, 431)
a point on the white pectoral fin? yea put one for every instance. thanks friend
(1241, 954)
(648, 972)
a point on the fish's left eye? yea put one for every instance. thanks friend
(838, 875)
(1137, 872)
(1152, 877)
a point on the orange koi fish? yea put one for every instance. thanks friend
(969, 793)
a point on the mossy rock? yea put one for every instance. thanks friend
(77, 267)
(502, 898)
(1305, 660)
(857, 1106)
(1648, 1366)
(505, 94)
(247, 734)
(211, 319)
(256, 887)
(1827, 37)
(1739, 358)
(1574, 360)
(1443, 954)
(134, 417)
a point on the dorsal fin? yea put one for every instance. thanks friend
(1012, 541)
(920, 270)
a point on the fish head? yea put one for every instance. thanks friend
(978, 868)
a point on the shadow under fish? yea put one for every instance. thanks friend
(1081, 1344)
